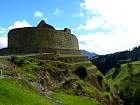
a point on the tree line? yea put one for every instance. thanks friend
(108, 61)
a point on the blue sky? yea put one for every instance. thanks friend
(102, 26)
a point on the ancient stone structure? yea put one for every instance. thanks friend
(43, 38)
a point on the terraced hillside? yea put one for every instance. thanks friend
(126, 78)
(54, 79)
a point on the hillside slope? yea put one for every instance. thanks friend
(126, 79)
(108, 61)
(59, 75)
(19, 92)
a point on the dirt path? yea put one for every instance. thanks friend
(48, 94)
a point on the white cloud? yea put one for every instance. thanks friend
(40, 15)
(95, 23)
(57, 12)
(122, 14)
(81, 14)
(3, 42)
(2, 30)
(120, 17)
(20, 24)
(102, 43)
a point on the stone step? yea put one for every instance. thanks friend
(71, 59)
(69, 66)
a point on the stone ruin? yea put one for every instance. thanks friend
(41, 39)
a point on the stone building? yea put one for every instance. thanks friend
(43, 38)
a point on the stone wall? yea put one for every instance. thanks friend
(37, 39)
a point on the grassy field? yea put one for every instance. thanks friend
(123, 73)
(74, 100)
(18, 92)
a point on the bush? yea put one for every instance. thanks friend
(81, 72)
(107, 87)
(100, 78)
(13, 58)
(127, 95)
(137, 97)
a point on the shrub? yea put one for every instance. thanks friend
(81, 72)
(13, 58)
(107, 87)
(137, 97)
(100, 78)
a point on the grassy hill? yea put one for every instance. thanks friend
(30, 81)
(19, 92)
(74, 100)
(126, 79)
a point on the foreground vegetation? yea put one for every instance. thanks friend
(26, 81)
(19, 92)
(74, 100)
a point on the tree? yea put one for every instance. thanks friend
(137, 97)
(116, 70)
(130, 70)
(81, 72)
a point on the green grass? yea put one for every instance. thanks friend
(18, 92)
(123, 74)
(74, 100)
(127, 81)
(76, 64)
(70, 55)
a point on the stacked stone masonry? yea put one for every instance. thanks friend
(41, 39)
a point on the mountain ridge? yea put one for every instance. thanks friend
(108, 61)
(88, 54)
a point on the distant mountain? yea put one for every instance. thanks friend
(88, 54)
(106, 62)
